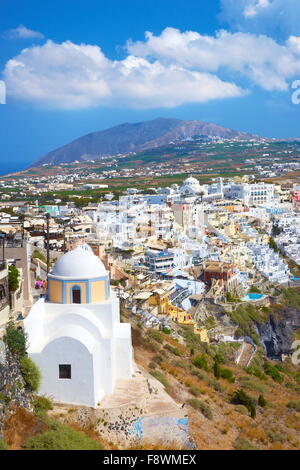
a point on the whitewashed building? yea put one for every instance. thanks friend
(75, 335)
(250, 194)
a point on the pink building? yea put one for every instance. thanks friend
(295, 196)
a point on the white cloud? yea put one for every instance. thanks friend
(21, 32)
(276, 18)
(167, 70)
(260, 59)
(71, 76)
(253, 8)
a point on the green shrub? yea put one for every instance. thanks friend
(241, 398)
(228, 375)
(210, 323)
(243, 444)
(160, 376)
(201, 406)
(195, 391)
(201, 362)
(172, 349)
(262, 401)
(291, 297)
(294, 405)
(265, 309)
(60, 436)
(297, 378)
(255, 290)
(241, 409)
(156, 335)
(193, 341)
(152, 365)
(42, 403)
(179, 363)
(280, 367)
(158, 359)
(252, 384)
(245, 316)
(219, 357)
(166, 331)
(273, 372)
(257, 372)
(13, 278)
(276, 436)
(15, 339)
(215, 385)
(149, 344)
(3, 446)
(30, 373)
(292, 386)
(201, 375)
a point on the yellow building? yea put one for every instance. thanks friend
(89, 288)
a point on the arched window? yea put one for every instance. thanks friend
(76, 295)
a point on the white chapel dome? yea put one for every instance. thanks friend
(191, 181)
(80, 263)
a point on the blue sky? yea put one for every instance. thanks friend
(73, 67)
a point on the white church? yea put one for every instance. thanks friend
(75, 335)
(191, 186)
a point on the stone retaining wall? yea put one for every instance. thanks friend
(12, 385)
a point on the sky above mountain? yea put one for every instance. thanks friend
(71, 68)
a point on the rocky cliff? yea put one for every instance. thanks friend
(277, 334)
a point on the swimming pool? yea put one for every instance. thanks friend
(252, 297)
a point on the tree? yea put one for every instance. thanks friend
(262, 401)
(13, 278)
(273, 245)
(241, 398)
(39, 255)
(253, 411)
(255, 290)
(217, 370)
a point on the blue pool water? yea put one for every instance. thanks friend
(253, 296)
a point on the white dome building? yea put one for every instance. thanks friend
(191, 186)
(75, 335)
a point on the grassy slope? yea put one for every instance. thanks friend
(215, 422)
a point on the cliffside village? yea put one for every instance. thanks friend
(174, 254)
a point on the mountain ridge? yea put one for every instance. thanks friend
(135, 137)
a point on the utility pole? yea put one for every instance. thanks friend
(48, 254)
(3, 245)
(23, 221)
(64, 245)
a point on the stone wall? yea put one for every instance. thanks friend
(129, 426)
(12, 385)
